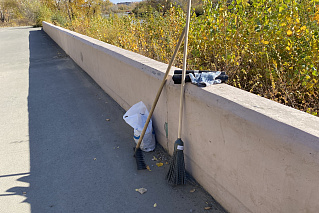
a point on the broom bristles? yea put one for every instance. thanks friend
(176, 173)
(140, 163)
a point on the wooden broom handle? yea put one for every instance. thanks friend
(181, 38)
(179, 135)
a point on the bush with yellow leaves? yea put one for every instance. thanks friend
(269, 48)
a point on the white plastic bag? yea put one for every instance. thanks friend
(148, 142)
(136, 117)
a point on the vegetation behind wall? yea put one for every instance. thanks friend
(269, 48)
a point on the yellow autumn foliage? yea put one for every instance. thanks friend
(269, 48)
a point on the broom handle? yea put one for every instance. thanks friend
(160, 89)
(184, 71)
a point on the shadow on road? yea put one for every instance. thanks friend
(67, 130)
(81, 156)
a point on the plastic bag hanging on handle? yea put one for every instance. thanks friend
(136, 117)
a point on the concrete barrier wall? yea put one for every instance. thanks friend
(250, 153)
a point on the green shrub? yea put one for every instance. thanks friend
(59, 19)
(43, 14)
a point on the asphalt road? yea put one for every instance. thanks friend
(64, 146)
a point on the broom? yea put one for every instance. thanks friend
(176, 173)
(138, 152)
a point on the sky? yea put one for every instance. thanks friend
(118, 1)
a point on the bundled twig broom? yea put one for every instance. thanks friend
(176, 173)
